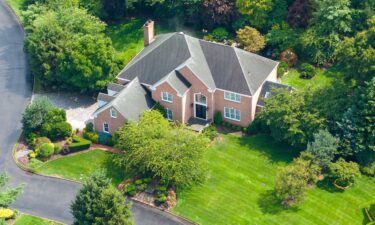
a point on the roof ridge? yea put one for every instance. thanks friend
(243, 71)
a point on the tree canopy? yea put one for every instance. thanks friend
(169, 152)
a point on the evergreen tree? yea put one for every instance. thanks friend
(8, 195)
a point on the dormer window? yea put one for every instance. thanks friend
(231, 96)
(167, 97)
(113, 113)
(267, 94)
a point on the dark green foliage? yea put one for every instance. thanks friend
(114, 9)
(57, 131)
(130, 189)
(98, 203)
(35, 114)
(357, 127)
(89, 127)
(278, 13)
(290, 118)
(8, 195)
(46, 150)
(218, 118)
(79, 144)
(324, 147)
(307, 71)
(220, 34)
(160, 108)
(74, 53)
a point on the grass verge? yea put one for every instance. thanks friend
(78, 167)
(33, 220)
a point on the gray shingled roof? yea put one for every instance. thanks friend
(131, 101)
(105, 97)
(217, 65)
(115, 87)
(269, 86)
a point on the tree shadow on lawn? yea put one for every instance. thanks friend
(270, 204)
(276, 152)
(114, 172)
(327, 185)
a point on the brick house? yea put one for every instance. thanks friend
(192, 78)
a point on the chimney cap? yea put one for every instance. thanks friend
(150, 21)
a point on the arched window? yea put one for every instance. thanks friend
(200, 99)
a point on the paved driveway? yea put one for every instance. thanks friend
(45, 197)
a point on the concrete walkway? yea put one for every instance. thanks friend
(46, 197)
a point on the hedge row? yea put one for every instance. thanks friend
(79, 144)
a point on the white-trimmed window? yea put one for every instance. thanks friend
(169, 114)
(167, 97)
(105, 127)
(232, 114)
(113, 113)
(231, 96)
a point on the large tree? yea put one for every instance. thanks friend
(98, 203)
(299, 13)
(256, 10)
(324, 147)
(169, 152)
(357, 127)
(67, 47)
(218, 13)
(356, 55)
(290, 118)
(251, 39)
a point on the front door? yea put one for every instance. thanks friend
(201, 111)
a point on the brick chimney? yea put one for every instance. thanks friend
(149, 32)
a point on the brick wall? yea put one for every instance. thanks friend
(175, 106)
(105, 116)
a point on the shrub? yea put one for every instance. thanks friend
(58, 149)
(32, 155)
(46, 150)
(344, 172)
(147, 180)
(6, 213)
(93, 136)
(79, 144)
(138, 182)
(41, 140)
(89, 127)
(210, 132)
(220, 34)
(31, 139)
(307, 71)
(160, 199)
(254, 127)
(110, 142)
(289, 56)
(218, 118)
(282, 69)
(57, 131)
(130, 189)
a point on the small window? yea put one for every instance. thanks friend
(167, 97)
(199, 98)
(169, 114)
(105, 127)
(267, 94)
(232, 96)
(232, 114)
(113, 113)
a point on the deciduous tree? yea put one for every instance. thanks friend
(250, 39)
(218, 13)
(257, 10)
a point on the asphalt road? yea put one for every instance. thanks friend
(46, 197)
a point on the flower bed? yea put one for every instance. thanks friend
(341, 187)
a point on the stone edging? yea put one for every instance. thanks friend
(184, 220)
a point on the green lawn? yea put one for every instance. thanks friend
(321, 79)
(33, 220)
(239, 190)
(16, 5)
(79, 166)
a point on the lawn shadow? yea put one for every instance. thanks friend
(270, 204)
(327, 185)
(116, 173)
(274, 151)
